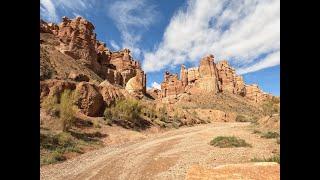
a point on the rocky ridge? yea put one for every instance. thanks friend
(210, 77)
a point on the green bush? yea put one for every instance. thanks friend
(241, 118)
(129, 110)
(108, 113)
(63, 107)
(275, 158)
(163, 114)
(271, 107)
(67, 112)
(52, 157)
(229, 141)
(51, 104)
(270, 135)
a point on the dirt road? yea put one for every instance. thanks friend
(165, 156)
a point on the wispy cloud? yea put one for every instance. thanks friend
(132, 18)
(48, 10)
(234, 30)
(114, 45)
(269, 61)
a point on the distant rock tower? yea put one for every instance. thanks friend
(184, 75)
(208, 73)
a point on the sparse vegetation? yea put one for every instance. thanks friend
(126, 112)
(51, 105)
(256, 132)
(275, 158)
(271, 107)
(270, 135)
(62, 108)
(163, 114)
(67, 111)
(241, 118)
(53, 147)
(229, 141)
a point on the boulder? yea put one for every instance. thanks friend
(137, 83)
(109, 92)
(89, 100)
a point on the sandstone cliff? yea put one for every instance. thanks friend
(210, 77)
(72, 58)
(75, 39)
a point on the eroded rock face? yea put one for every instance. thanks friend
(78, 40)
(137, 83)
(89, 100)
(171, 86)
(210, 77)
(255, 94)
(196, 79)
(109, 92)
(155, 93)
(48, 27)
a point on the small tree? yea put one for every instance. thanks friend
(67, 112)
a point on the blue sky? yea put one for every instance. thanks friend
(164, 34)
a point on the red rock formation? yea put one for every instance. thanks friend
(184, 75)
(155, 93)
(171, 85)
(226, 76)
(109, 92)
(48, 27)
(210, 77)
(255, 94)
(78, 40)
(193, 74)
(204, 78)
(89, 100)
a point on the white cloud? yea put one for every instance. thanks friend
(132, 17)
(48, 10)
(114, 45)
(156, 85)
(234, 30)
(269, 61)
